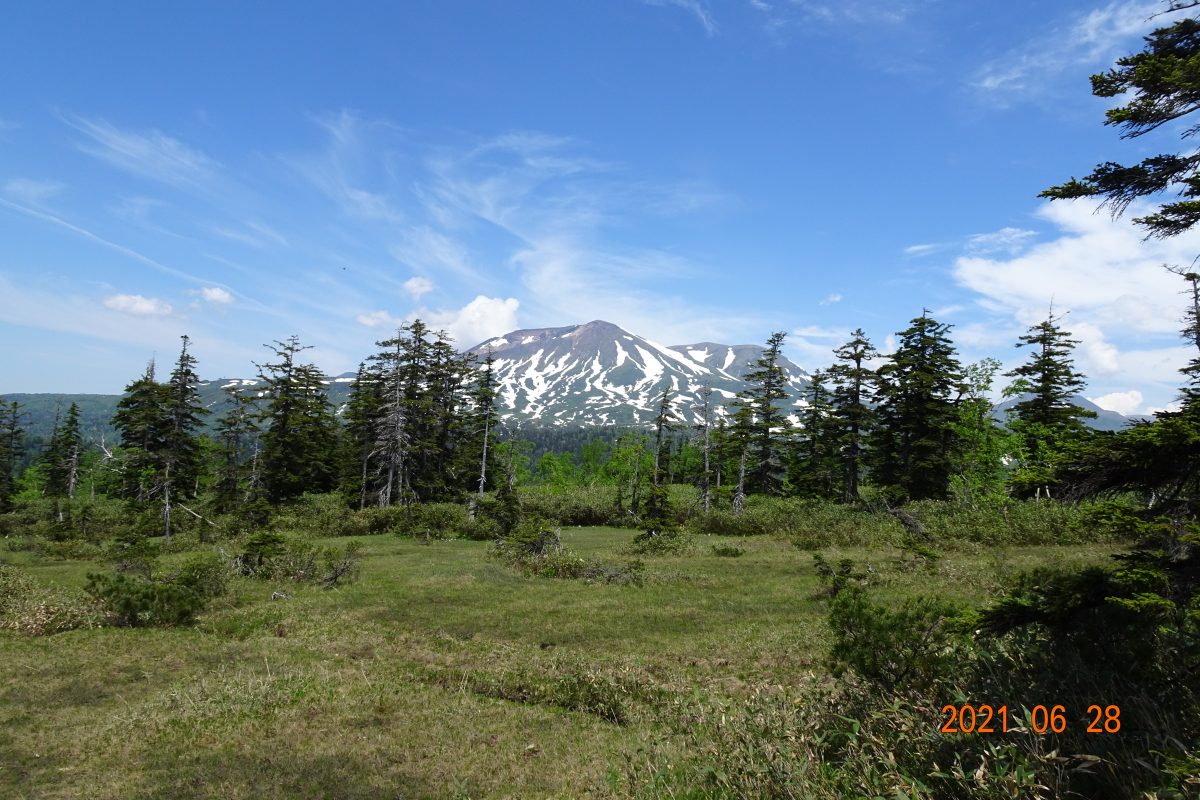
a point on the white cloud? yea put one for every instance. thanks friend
(1093, 39)
(429, 250)
(480, 319)
(418, 286)
(152, 154)
(1122, 402)
(1009, 241)
(376, 319)
(918, 250)
(1109, 282)
(215, 294)
(33, 192)
(830, 299)
(137, 306)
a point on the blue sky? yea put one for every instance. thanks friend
(688, 169)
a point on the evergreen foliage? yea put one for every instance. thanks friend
(913, 447)
(815, 466)
(298, 443)
(11, 451)
(64, 455)
(853, 390)
(1047, 381)
(1160, 84)
(767, 423)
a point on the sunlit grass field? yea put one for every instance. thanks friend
(441, 672)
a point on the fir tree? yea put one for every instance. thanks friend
(11, 450)
(815, 467)
(181, 450)
(63, 455)
(299, 441)
(236, 433)
(767, 424)
(913, 447)
(1048, 382)
(483, 416)
(657, 518)
(853, 389)
(361, 418)
(142, 419)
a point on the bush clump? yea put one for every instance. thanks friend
(132, 601)
(29, 606)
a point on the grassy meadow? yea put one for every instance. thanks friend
(440, 672)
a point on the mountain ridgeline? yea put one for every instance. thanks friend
(578, 376)
(596, 374)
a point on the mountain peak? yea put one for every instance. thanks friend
(600, 373)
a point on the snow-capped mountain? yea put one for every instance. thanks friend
(600, 374)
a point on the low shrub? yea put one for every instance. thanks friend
(728, 551)
(206, 574)
(132, 601)
(535, 549)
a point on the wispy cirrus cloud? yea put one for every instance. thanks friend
(32, 191)
(696, 8)
(150, 154)
(1029, 71)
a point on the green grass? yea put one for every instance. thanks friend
(440, 673)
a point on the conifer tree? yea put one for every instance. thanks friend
(181, 450)
(853, 389)
(236, 432)
(913, 446)
(705, 429)
(361, 420)
(767, 423)
(63, 455)
(483, 415)
(815, 464)
(142, 419)
(657, 518)
(1048, 382)
(11, 450)
(299, 441)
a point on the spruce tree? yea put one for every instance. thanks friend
(11, 450)
(853, 390)
(181, 450)
(63, 455)
(299, 440)
(143, 422)
(815, 468)
(1048, 382)
(913, 446)
(236, 433)
(361, 418)
(767, 422)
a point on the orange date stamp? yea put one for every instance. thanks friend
(968, 718)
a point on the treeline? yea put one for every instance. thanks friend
(916, 425)
(419, 426)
